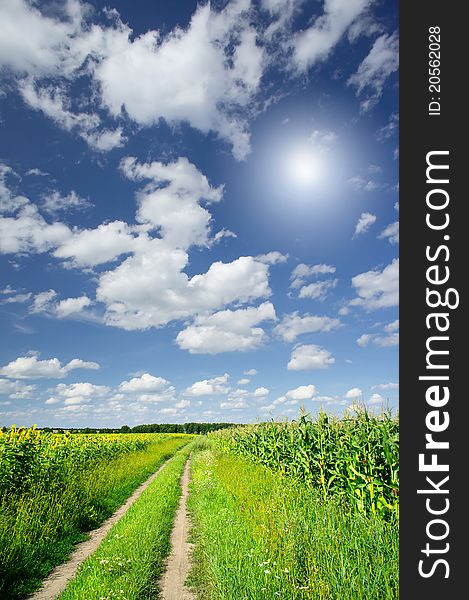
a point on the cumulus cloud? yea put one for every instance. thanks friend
(303, 392)
(71, 306)
(45, 302)
(376, 399)
(293, 325)
(318, 290)
(76, 394)
(302, 272)
(377, 289)
(144, 383)
(233, 404)
(261, 392)
(316, 42)
(272, 258)
(16, 298)
(353, 394)
(171, 204)
(250, 372)
(364, 184)
(310, 357)
(16, 390)
(243, 381)
(381, 62)
(28, 232)
(226, 331)
(389, 337)
(365, 221)
(54, 202)
(209, 387)
(105, 243)
(389, 129)
(386, 386)
(30, 367)
(391, 233)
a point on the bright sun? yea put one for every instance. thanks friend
(304, 166)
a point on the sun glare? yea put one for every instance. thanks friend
(304, 167)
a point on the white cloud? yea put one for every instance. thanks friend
(320, 137)
(243, 381)
(261, 392)
(310, 357)
(149, 287)
(389, 337)
(172, 203)
(226, 331)
(353, 394)
(376, 399)
(16, 390)
(293, 325)
(316, 42)
(54, 202)
(386, 386)
(211, 70)
(200, 85)
(391, 232)
(302, 271)
(183, 403)
(209, 387)
(71, 306)
(91, 247)
(36, 172)
(381, 62)
(165, 395)
(233, 404)
(53, 101)
(30, 367)
(169, 411)
(76, 394)
(250, 372)
(318, 290)
(377, 289)
(28, 232)
(365, 221)
(272, 258)
(144, 383)
(389, 129)
(85, 389)
(303, 392)
(16, 298)
(42, 302)
(362, 184)
(46, 38)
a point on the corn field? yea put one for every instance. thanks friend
(356, 458)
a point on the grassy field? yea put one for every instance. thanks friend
(295, 510)
(262, 535)
(55, 487)
(129, 562)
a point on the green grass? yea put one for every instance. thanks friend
(261, 535)
(129, 562)
(39, 527)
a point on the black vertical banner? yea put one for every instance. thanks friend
(433, 308)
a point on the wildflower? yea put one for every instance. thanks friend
(267, 572)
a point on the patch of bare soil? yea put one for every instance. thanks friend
(179, 561)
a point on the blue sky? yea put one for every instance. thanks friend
(199, 210)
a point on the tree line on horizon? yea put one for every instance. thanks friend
(197, 428)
